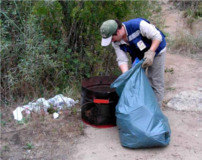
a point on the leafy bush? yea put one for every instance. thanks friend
(48, 47)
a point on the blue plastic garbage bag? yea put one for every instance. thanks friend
(140, 121)
(135, 62)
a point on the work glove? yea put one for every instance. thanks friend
(149, 57)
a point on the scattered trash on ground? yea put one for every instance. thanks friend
(55, 115)
(52, 106)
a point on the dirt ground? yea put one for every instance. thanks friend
(67, 138)
(40, 137)
(184, 74)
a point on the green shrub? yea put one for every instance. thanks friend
(48, 47)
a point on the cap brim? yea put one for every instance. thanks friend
(106, 41)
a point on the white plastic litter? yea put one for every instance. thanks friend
(55, 115)
(17, 113)
(59, 101)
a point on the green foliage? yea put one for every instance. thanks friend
(74, 110)
(155, 16)
(143, 9)
(193, 13)
(169, 70)
(24, 120)
(170, 89)
(192, 10)
(81, 129)
(6, 148)
(49, 16)
(29, 146)
(3, 123)
(52, 110)
(48, 47)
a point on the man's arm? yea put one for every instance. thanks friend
(154, 45)
(150, 31)
(122, 58)
(124, 67)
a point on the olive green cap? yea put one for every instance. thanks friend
(107, 29)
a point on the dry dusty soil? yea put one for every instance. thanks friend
(184, 74)
(67, 138)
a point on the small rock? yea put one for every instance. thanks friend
(200, 129)
(200, 89)
(28, 151)
(187, 100)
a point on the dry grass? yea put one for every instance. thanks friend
(49, 138)
(184, 42)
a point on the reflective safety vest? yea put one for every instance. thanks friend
(135, 39)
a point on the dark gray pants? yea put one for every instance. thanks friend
(155, 75)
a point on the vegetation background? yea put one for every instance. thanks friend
(48, 47)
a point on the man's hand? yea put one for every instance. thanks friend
(149, 57)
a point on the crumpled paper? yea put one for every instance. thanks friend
(59, 101)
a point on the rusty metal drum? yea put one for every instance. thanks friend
(99, 101)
